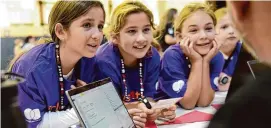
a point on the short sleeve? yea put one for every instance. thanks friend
(30, 100)
(173, 78)
(216, 67)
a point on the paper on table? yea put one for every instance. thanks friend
(162, 104)
(191, 117)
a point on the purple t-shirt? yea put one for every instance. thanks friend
(175, 70)
(108, 61)
(229, 69)
(40, 92)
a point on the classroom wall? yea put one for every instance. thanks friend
(36, 29)
(24, 30)
(6, 51)
(9, 33)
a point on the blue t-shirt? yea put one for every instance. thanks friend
(39, 93)
(109, 63)
(229, 69)
(175, 70)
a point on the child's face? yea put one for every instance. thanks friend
(226, 34)
(85, 33)
(175, 15)
(199, 27)
(136, 36)
(32, 40)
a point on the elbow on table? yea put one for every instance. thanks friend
(188, 106)
(205, 102)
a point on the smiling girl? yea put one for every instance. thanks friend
(52, 68)
(190, 69)
(130, 60)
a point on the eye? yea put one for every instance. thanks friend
(100, 27)
(224, 26)
(146, 30)
(209, 28)
(193, 30)
(87, 25)
(131, 31)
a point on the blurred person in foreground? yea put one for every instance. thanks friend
(249, 107)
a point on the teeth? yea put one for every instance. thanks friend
(139, 47)
(203, 44)
(92, 45)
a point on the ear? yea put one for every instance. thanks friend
(178, 35)
(114, 38)
(60, 31)
(239, 9)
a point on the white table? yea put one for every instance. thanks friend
(219, 99)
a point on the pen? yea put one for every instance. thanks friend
(146, 102)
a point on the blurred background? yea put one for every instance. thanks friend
(29, 18)
(23, 22)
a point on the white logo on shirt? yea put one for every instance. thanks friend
(177, 86)
(32, 115)
(156, 85)
(216, 81)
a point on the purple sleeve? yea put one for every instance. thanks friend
(173, 78)
(152, 74)
(30, 101)
(216, 67)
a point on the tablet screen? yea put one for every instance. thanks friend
(101, 107)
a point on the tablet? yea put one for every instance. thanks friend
(98, 105)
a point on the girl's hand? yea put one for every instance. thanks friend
(187, 48)
(208, 57)
(139, 117)
(169, 113)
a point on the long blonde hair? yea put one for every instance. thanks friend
(155, 44)
(15, 58)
